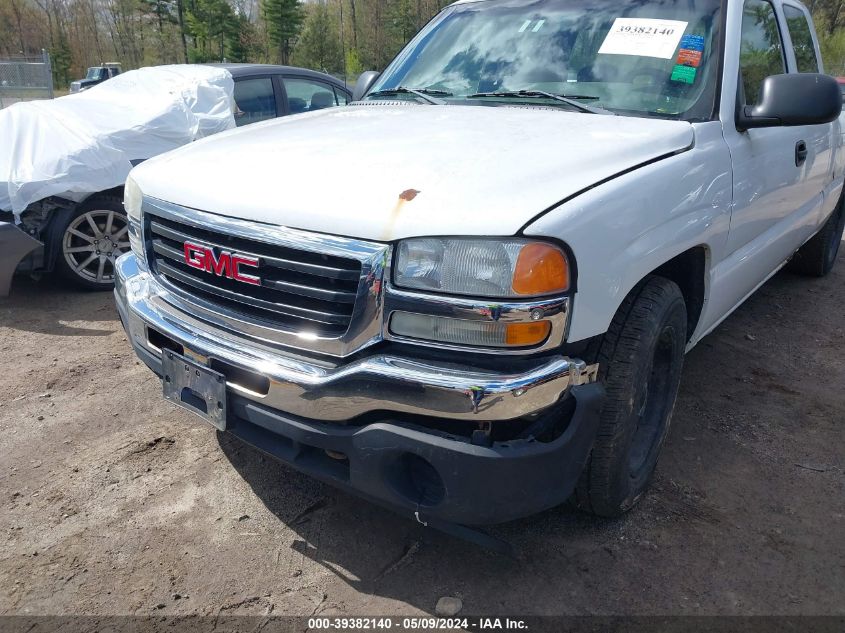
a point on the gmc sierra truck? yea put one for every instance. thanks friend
(467, 296)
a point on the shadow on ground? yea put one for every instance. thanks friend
(52, 306)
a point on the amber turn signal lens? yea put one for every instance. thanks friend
(540, 269)
(524, 334)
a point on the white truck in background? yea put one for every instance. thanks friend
(468, 295)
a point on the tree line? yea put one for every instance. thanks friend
(829, 17)
(341, 37)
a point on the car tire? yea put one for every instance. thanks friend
(640, 360)
(818, 256)
(90, 240)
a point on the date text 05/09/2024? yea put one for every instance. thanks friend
(417, 623)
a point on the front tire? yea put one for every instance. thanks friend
(640, 360)
(817, 257)
(90, 241)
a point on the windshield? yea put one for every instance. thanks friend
(93, 73)
(641, 58)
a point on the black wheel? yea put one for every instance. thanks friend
(817, 257)
(640, 361)
(90, 241)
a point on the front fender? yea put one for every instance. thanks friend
(627, 227)
(14, 246)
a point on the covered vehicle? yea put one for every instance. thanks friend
(64, 176)
(65, 161)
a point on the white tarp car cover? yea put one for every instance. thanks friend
(85, 142)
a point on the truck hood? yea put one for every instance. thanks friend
(393, 171)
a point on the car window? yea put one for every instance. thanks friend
(802, 39)
(307, 95)
(255, 100)
(341, 96)
(761, 52)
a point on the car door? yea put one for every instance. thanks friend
(255, 99)
(768, 185)
(820, 140)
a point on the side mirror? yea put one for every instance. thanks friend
(364, 83)
(794, 99)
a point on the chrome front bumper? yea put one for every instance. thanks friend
(338, 392)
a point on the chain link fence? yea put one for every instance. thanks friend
(25, 78)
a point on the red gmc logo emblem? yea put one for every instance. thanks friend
(225, 265)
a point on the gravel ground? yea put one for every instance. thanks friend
(113, 501)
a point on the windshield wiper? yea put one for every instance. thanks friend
(567, 99)
(428, 94)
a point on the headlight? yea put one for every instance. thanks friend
(132, 198)
(501, 268)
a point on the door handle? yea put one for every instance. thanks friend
(800, 153)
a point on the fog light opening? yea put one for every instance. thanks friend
(418, 481)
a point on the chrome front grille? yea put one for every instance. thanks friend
(315, 291)
(297, 288)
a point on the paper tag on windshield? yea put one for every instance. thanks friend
(643, 37)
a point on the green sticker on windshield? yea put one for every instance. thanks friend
(684, 74)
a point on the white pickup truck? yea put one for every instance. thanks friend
(468, 295)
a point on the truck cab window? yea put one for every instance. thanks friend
(761, 51)
(635, 58)
(802, 39)
(255, 100)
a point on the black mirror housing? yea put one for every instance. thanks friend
(793, 99)
(365, 81)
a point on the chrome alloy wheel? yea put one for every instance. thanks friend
(93, 241)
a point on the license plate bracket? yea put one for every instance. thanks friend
(194, 387)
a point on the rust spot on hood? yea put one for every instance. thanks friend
(405, 196)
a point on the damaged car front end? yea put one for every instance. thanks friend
(15, 245)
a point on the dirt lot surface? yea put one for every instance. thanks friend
(113, 501)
